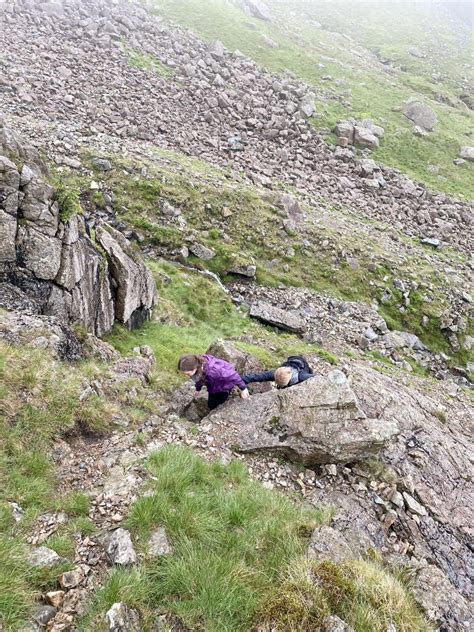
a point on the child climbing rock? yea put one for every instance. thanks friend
(293, 371)
(217, 375)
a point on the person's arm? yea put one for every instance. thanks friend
(265, 376)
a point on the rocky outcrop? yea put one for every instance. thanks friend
(319, 421)
(135, 285)
(440, 601)
(40, 332)
(271, 315)
(49, 264)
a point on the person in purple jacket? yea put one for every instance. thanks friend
(218, 376)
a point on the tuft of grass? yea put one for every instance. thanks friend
(16, 593)
(231, 539)
(146, 61)
(34, 411)
(74, 504)
(362, 593)
(62, 544)
(67, 198)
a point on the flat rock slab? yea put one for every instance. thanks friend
(280, 318)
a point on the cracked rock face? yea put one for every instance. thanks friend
(54, 265)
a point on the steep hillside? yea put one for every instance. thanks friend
(241, 179)
(364, 60)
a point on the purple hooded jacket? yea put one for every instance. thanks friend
(219, 376)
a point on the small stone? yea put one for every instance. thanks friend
(42, 557)
(71, 579)
(431, 241)
(55, 598)
(397, 499)
(120, 618)
(17, 511)
(101, 164)
(331, 469)
(94, 186)
(44, 614)
(414, 506)
(389, 519)
(158, 544)
(119, 548)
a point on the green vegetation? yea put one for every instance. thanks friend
(40, 400)
(238, 559)
(255, 235)
(147, 62)
(360, 86)
(364, 594)
(67, 198)
(192, 312)
(16, 593)
(231, 539)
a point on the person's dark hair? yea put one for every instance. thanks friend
(191, 362)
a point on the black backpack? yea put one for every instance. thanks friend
(299, 363)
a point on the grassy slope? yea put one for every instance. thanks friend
(34, 412)
(191, 314)
(374, 92)
(238, 559)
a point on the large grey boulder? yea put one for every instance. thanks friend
(258, 9)
(319, 421)
(421, 114)
(280, 318)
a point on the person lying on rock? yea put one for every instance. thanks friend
(218, 376)
(291, 372)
